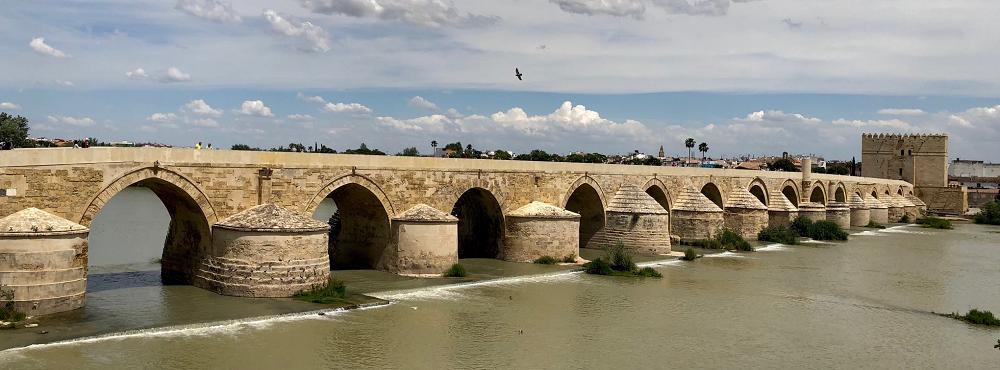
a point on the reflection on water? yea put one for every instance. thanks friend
(860, 304)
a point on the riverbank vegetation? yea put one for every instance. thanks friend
(10, 317)
(990, 214)
(334, 291)
(819, 230)
(932, 222)
(778, 234)
(905, 219)
(975, 316)
(456, 270)
(545, 260)
(618, 262)
(727, 240)
(690, 255)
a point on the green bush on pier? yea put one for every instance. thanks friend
(545, 260)
(905, 219)
(456, 270)
(778, 234)
(932, 222)
(690, 255)
(975, 316)
(334, 291)
(618, 262)
(727, 240)
(989, 214)
(819, 230)
(8, 312)
(874, 225)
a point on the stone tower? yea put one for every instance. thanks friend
(920, 159)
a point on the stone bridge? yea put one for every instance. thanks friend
(411, 215)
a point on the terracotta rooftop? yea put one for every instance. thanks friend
(543, 210)
(425, 213)
(691, 200)
(270, 217)
(741, 198)
(33, 221)
(629, 199)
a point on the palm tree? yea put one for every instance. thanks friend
(434, 145)
(689, 143)
(703, 148)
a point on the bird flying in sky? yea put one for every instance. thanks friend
(518, 74)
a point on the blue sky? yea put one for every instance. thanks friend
(756, 77)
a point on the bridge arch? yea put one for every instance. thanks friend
(586, 197)
(480, 224)
(791, 191)
(658, 191)
(713, 193)
(189, 234)
(840, 192)
(818, 194)
(758, 188)
(359, 229)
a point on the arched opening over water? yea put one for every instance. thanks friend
(152, 220)
(359, 226)
(791, 194)
(712, 193)
(817, 195)
(586, 201)
(660, 197)
(759, 192)
(480, 224)
(840, 195)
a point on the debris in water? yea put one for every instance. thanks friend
(43, 332)
(32, 325)
(322, 314)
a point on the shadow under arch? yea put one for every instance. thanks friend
(818, 194)
(712, 192)
(359, 229)
(480, 224)
(585, 198)
(758, 189)
(658, 191)
(188, 238)
(791, 192)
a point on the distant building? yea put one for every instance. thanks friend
(921, 160)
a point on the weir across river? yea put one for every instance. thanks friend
(240, 220)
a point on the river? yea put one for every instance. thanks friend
(865, 303)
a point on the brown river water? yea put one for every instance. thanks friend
(865, 303)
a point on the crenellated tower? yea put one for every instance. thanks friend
(920, 159)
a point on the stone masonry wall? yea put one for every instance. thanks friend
(528, 238)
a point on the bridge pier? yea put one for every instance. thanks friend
(539, 229)
(896, 208)
(695, 217)
(839, 213)
(43, 260)
(879, 211)
(424, 241)
(266, 251)
(744, 214)
(919, 204)
(860, 213)
(813, 211)
(780, 210)
(637, 220)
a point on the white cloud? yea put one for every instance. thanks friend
(697, 7)
(779, 116)
(346, 108)
(175, 75)
(200, 107)
(213, 10)
(978, 117)
(893, 123)
(313, 34)
(420, 102)
(617, 8)
(255, 108)
(300, 117)
(205, 122)
(311, 99)
(428, 13)
(137, 74)
(9, 105)
(72, 121)
(39, 46)
(162, 117)
(901, 112)
(64, 83)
